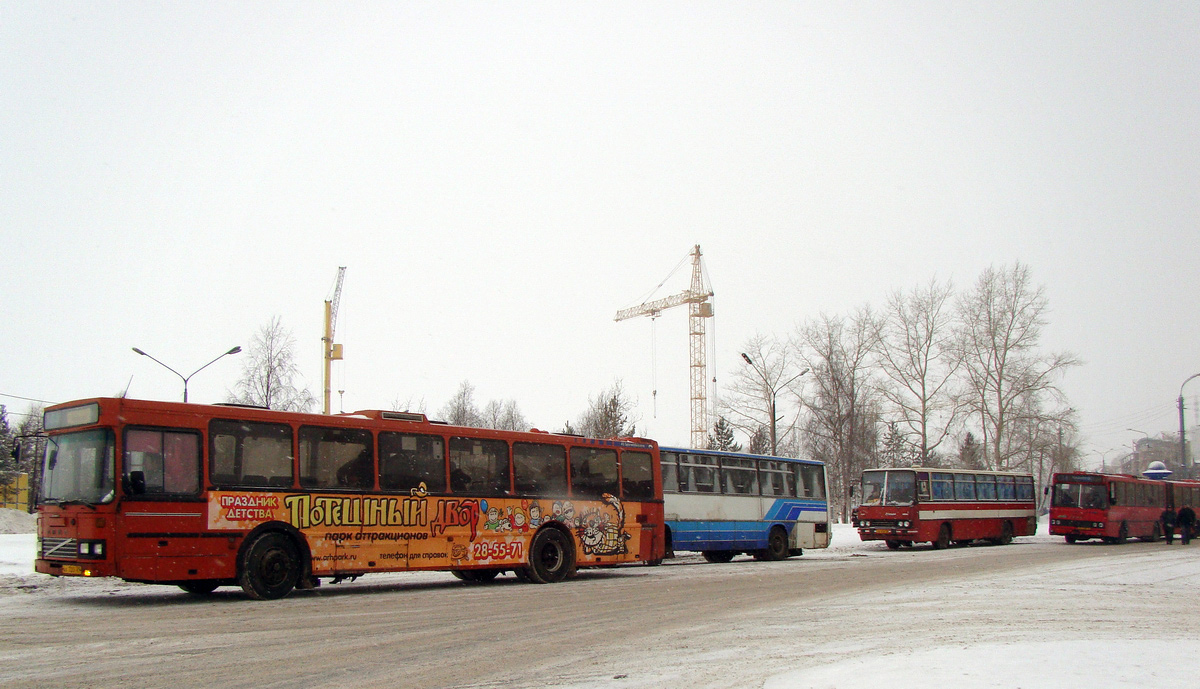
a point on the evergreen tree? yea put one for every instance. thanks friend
(722, 437)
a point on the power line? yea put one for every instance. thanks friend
(27, 399)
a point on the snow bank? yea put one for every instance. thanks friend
(1049, 663)
(14, 521)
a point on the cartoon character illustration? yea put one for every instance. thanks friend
(517, 520)
(564, 511)
(535, 515)
(493, 519)
(598, 533)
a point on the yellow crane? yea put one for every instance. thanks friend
(332, 351)
(697, 297)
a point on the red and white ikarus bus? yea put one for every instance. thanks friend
(1111, 507)
(201, 496)
(944, 506)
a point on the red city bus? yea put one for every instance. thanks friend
(1111, 507)
(944, 506)
(203, 496)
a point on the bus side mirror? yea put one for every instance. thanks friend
(16, 452)
(137, 482)
(1046, 490)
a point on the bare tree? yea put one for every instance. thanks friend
(504, 415)
(608, 415)
(460, 410)
(842, 423)
(1001, 321)
(919, 360)
(270, 377)
(759, 396)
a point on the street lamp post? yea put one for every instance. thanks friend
(772, 393)
(188, 377)
(1183, 463)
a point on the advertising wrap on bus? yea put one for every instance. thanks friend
(202, 496)
(354, 532)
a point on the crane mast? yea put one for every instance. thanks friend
(332, 351)
(700, 308)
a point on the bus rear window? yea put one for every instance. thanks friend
(637, 476)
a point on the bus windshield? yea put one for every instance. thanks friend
(888, 487)
(1089, 496)
(79, 468)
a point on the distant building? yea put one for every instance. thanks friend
(14, 493)
(1148, 450)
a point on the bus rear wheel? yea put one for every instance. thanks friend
(271, 567)
(718, 556)
(943, 539)
(476, 576)
(777, 546)
(1006, 535)
(201, 587)
(551, 557)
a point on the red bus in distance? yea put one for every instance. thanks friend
(943, 506)
(1114, 507)
(201, 496)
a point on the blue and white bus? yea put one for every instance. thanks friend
(722, 504)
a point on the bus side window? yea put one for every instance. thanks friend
(670, 472)
(540, 469)
(253, 454)
(336, 458)
(740, 476)
(964, 486)
(406, 461)
(594, 472)
(811, 482)
(162, 462)
(479, 466)
(943, 486)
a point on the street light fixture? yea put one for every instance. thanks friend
(188, 377)
(1183, 463)
(773, 392)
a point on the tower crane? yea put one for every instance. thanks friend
(332, 351)
(699, 308)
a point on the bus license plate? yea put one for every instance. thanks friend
(72, 569)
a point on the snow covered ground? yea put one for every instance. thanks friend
(1125, 620)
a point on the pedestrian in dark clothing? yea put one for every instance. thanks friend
(1186, 521)
(1168, 524)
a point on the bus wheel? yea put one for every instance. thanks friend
(776, 545)
(1071, 538)
(551, 557)
(893, 545)
(718, 556)
(271, 568)
(1005, 534)
(943, 539)
(201, 587)
(1155, 534)
(476, 576)
(1122, 535)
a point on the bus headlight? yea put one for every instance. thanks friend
(91, 550)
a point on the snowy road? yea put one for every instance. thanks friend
(1037, 613)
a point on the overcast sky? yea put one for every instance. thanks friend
(500, 179)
